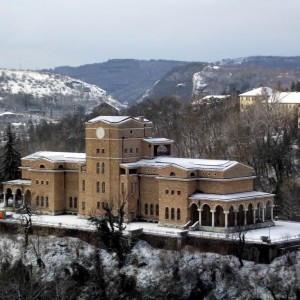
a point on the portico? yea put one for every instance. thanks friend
(229, 212)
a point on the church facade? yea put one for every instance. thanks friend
(123, 163)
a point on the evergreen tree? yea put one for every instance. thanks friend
(11, 158)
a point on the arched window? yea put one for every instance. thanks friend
(167, 213)
(70, 202)
(172, 174)
(75, 202)
(192, 174)
(42, 167)
(157, 209)
(60, 166)
(42, 201)
(103, 168)
(47, 202)
(98, 187)
(146, 209)
(103, 187)
(178, 214)
(37, 201)
(97, 168)
(151, 210)
(172, 214)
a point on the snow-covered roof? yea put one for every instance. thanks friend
(264, 90)
(208, 97)
(18, 182)
(157, 140)
(229, 197)
(185, 163)
(7, 113)
(57, 156)
(288, 98)
(109, 119)
(114, 119)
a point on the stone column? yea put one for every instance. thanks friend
(200, 216)
(23, 199)
(272, 213)
(212, 218)
(263, 213)
(14, 199)
(226, 218)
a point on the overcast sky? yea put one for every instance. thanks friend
(49, 33)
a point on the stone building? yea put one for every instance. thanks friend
(124, 163)
(288, 102)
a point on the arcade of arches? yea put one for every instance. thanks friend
(16, 196)
(218, 216)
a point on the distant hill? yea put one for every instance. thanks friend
(125, 79)
(130, 80)
(22, 91)
(282, 62)
(241, 74)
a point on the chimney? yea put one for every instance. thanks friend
(141, 118)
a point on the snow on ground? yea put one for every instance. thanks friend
(283, 230)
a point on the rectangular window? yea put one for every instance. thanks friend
(125, 150)
(83, 185)
(137, 150)
(75, 202)
(98, 150)
(47, 182)
(166, 192)
(42, 201)
(178, 193)
(98, 187)
(172, 192)
(37, 182)
(42, 182)
(83, 205)
(47, 202)
(70, 202)
(131, 150)
(102, 150)
(37, 202)
(98, 205)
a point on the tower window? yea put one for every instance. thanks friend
(103, 187)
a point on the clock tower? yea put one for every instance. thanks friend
(110, 141)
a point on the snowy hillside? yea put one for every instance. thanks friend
(73, 269)
(41, 85)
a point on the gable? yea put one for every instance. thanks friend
(238, 170)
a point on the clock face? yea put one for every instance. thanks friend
(100, 133)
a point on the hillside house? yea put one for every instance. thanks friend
(289, 101)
